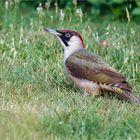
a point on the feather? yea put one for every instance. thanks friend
(90, 66)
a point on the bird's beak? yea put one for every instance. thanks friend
(52, 31)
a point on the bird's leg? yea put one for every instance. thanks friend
(92, 89)
(96, 89)
(86, 93)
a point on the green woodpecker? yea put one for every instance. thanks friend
(88, 70)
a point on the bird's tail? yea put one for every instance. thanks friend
(129, 96)
(122, 94)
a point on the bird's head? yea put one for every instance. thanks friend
(69, 39)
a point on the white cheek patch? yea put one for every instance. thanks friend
(74, 45)
(75, 41)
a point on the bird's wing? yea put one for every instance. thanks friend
(86, 65)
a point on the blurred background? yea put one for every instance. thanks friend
(114, 9)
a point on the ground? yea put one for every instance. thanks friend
(37, 99)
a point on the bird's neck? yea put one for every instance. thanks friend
(70, 50)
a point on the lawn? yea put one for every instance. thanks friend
(37, 99)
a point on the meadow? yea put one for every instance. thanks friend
(37, 99)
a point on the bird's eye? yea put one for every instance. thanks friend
(67, 35)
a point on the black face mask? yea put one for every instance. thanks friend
(65, 41)
(65, 37)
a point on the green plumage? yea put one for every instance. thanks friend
(90, 66)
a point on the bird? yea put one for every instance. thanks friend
(90, 71)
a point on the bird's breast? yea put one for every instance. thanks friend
(87, 85)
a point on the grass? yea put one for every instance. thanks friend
(37, 99)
